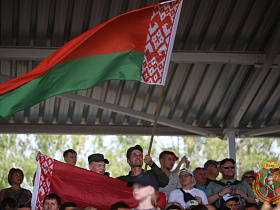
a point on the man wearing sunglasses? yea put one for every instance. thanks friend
(248, 177)
(229, 185)
(212, 171)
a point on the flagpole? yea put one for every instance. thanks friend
(155, 124)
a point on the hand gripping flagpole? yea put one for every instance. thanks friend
(166, 65)
(155, 124)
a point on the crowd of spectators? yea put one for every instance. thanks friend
(184, 188)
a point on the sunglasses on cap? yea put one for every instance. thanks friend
(249, 177)
(184, 175)
(227, 167)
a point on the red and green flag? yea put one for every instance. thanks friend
(80, 186)
(135, 46)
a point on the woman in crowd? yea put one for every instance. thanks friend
(21, 195)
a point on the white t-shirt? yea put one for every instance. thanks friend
(178, 196)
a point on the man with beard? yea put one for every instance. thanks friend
(135, 160)
(167, 160)
(229, 185)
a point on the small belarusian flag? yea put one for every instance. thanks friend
(80, 186)
(135, 46)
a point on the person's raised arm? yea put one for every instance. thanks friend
(161, 177)
(182, 161)
(38, 155)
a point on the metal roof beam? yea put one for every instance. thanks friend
(242, 58)
(263, 131)
(91, 130)
(137, 114)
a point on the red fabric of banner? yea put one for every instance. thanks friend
(86, 188)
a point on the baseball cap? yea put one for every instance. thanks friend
(228, 197)
(191, 172)
(209, 163)
(97, 157)
(226, 160)
(144, 179)
(138, 147)
(175, 156)
(191, 203)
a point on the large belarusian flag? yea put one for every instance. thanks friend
(135, 46)
(78, 185)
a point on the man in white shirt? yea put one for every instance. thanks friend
(187, 181)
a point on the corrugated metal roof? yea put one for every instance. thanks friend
(224, 72)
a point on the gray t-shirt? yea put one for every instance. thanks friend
(173, 184)
(213, 188)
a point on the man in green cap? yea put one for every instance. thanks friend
(135, 160)
(96, 163)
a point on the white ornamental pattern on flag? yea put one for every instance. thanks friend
(47, 164)
(159, 42)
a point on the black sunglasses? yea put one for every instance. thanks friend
(227, 167)
(249, 177)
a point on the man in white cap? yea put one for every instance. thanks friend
(187, 193)
(229, 201)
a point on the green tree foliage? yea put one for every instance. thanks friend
(198, 150)
(255, 150)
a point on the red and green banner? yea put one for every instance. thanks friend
(80, 186)
(135, 46)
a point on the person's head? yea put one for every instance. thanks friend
(186, 178)
(68, 206)
(90, 208)
(24, 208)
(227, 167)
(9, 203)
(198, 207)
(229, 201)
(51, 202)
(145, 186)
(70, 156)
(223, 208)
(135, 156)
(249, 177)
(200, 176)
(15, 176)
(167, 159)
(120, 206)
(97, 163)
(211, 168)
(173, 206)
(251, 206)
